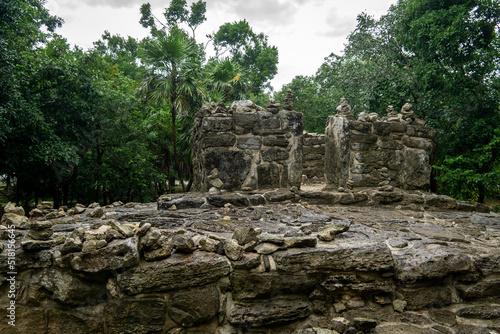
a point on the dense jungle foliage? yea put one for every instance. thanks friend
(114, 122)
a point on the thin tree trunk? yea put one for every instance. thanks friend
(174, 140)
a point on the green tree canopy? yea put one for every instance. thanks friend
(250, 50)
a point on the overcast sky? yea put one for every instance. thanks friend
(305, 31)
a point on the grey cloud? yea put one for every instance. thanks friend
(337, 25)
(260, 11)
(123, 3)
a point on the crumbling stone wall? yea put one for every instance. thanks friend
(247, 147)
(313, 151)
(272, 265)
(373, 151)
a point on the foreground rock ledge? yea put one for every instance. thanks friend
(300, 262)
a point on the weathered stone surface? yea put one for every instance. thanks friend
(233, 166)
(176, 272)
(117, 254)
(269, 175)
(71, 245)
(96, 213)
(485, 312)
(93, 244)
(219, 140)
(399, 305)
(183, 243)
(430, 295)
(195, 306)
(159, 253)
(59, 321)
(266, 248)
(31, 317)
(413, 264)
(328, 232)
(135, 315)
(217, 124)
(45, 234)
(67, 288)
(267, 285)
(249, 143)
(244, 235)
(12, 219)
(232, 250)
(267, 312)
(336, 257)
(182, 202)
(12, 208)
(403, 329)
(36, 245)
(420, 131)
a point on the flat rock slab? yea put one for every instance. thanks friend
(176, 272)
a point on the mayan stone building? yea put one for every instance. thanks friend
(373, 151)
(247, 147)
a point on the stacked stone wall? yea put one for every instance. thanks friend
(272, 265)
(246, 147)
(313, 155)
(373, 151)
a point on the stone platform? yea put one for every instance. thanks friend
(370, 261)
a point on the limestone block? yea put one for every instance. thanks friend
(60, 321)
(232, 250)
(71, 245)
(217, 124)
(116, 255)
(363, 138)
(248, 285)
(244, 235)
(179, 271)
(195, 306)
(336, 257)
(68, 288)
(268, 176)
(292, 122)
(20, 222)
(245, 120)
(233, 166)
(279, 141)
(420, 131)
(268, 121)
(416, 142)
(263, 313)
(362, 127)
(385, 128)
(219, 140)
(145, 315)
(274, 154)
(314, 139)
(417, 170)
(12, 208)
(249, 143)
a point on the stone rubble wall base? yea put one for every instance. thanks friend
(270, 262)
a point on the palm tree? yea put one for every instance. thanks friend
(224, 82)
(173, 63)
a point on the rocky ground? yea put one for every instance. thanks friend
(372, 261)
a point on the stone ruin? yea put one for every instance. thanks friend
(382, 260)
(247, 147)
(373, 151)
(274, 262)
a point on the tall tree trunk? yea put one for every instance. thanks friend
(174, 141)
